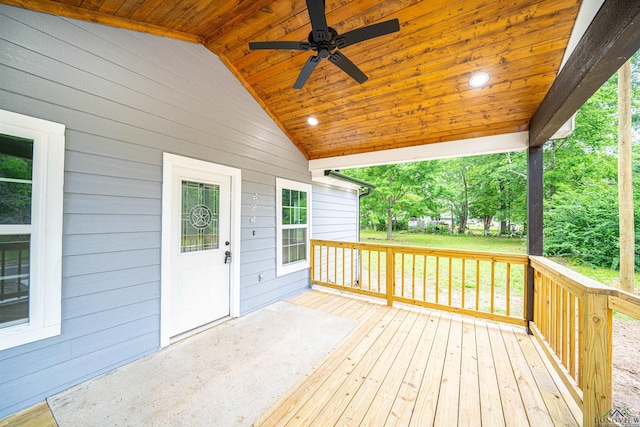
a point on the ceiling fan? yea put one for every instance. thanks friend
(326, 42)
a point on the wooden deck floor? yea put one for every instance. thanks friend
(404, 367)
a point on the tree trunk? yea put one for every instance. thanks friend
(465, 205)
(389, 224)
(487, 224)
(463, 222)
(503, 227)
(625, 188)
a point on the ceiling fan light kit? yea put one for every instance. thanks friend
(326, 42)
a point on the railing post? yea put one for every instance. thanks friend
(312, 256)
(596, 355)
(391, 276)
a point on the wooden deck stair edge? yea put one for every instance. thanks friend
(38, 415)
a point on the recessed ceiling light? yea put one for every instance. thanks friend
(312, 121)
(479, 79)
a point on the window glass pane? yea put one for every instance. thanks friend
(286, 197)
(16, 170)
(294, 245)
(303, 199)
(287, 214)
(200, 216)
(14, 280)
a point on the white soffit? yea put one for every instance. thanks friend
(588, 10)
(466, 147)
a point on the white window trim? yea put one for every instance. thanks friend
(299, 186)
(45, 281)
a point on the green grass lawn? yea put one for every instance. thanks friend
(512, 245)
(488, 244)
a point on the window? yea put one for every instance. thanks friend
(293, 207)
(200, 205)
(31, 181)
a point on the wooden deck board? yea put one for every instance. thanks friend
(423, 368)
(469, 410)
(38, 415)
(424, 411)
(531, 397)
(490, 403)
(416, 367)
(339, 397)
(391, 387)
(558, 407)
(513, 407)
(363, 399)
(449, 396)
(402, 409)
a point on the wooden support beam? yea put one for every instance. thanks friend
(610, 40)
(535, 184)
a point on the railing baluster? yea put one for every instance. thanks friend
(335, 265)
(477, 285)
(343, 269)
(424, 279)
(580, 345)
(437, 278)
(450, 278)
(464, 277)
(558, 319)
(352, 266)
(413, 276)
(508, 290)
(379, 275)
(402, 281)
(565, 328)
(493, 286)
(572, 335)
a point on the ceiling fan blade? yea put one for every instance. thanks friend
(348, 67)
(318, 20)
(308, 68)
(368, 32)
(279, 45)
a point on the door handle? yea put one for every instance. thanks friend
(227, 257)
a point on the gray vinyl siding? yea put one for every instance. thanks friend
(126, 98)
(335, 217)
(335, 213)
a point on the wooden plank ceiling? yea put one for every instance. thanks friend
(418, 90)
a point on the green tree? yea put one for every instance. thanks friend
(581, 207)
(402, 191)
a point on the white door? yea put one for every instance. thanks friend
(199, 287)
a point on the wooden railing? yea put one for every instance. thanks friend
(573, 323)
(572, 314)
(486, 285)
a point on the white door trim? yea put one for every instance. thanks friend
(170, 161)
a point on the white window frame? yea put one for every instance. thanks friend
(45, 274)
(281, 268)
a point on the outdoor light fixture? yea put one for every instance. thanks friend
(479, 79)
(312, 121)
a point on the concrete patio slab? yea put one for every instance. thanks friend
(226, 376)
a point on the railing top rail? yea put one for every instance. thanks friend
(575, 282)
(450, 253)
(625, 303)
